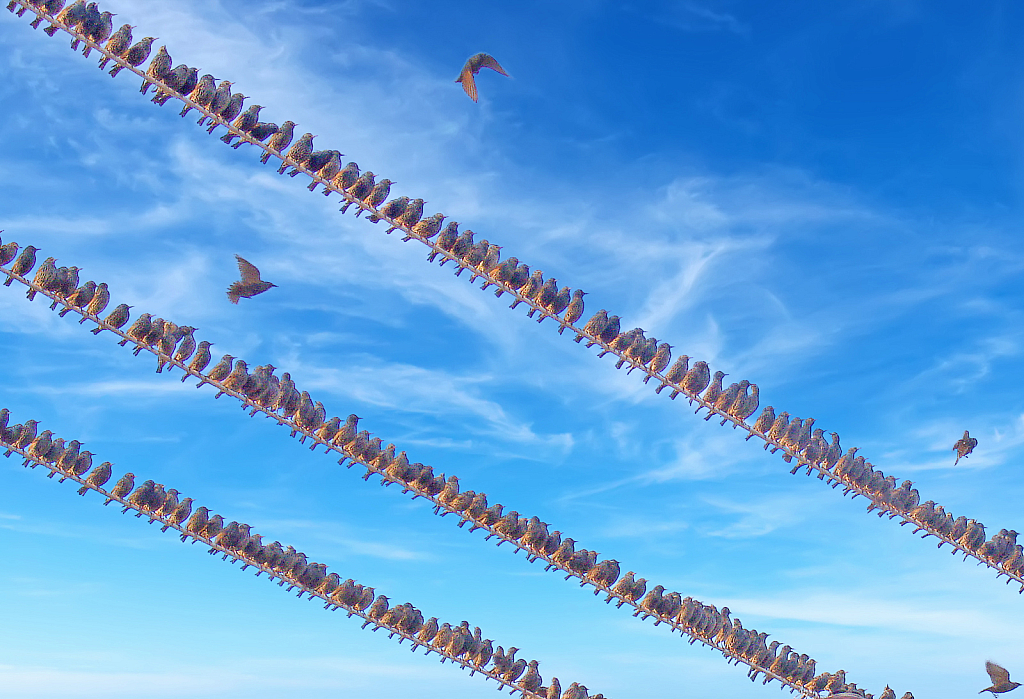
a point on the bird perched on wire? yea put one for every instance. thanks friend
(136, 55)
(250, 284)
(202, 94)
(473, 66)
(394, 208)
(1000, 679)
(280, 140)
(115, 319)
(360, 189)
(377, 195)
(45, 275)
(159, 67)
(98, 30)
(201, 359)
(118, 43)
(8, 251)
(80, 297)
(221, 99)
(24, 264)
(964, 446)
(411, 216)
(300, 152)
(245, 122)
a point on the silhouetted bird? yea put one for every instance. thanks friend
(280, 140)
(136, 55)
(1000, 679)
(964, 446)
(473, 66)
(250, 285)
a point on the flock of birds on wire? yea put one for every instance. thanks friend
(739, 400)
(236, 539)
(175, 345)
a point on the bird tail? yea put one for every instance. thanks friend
(117, 69)
(97, 330)
(265, 157)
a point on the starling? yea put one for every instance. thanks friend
(71, 15)
(427, 228)
(1000, 679)
(116, 319)
(24, 264)
(173, 80)
(201, 360)
(463, 244)
(98, 478)
(159, 67)
(764, 421)
(574, 312)
(139, 329)
(361, 189)
(98, 31)
(344, 179)
(299, 153)
(8, 252)
(714, 390)
(529, 290)
(221, 99)
(260, 132)
(250, 285)
(594, 326)
(316, 160)
(377, 195)
(186, 348)
(118, 43)
(50, 7)
(963, 447)
(45, 275)
(745, 406)
(99, 301)
(280, 140)
(473, 66)
(136, 55)
(675, 373)
(391, 210)
(202, 94)
(696, 379)
(328, 172)
(229, 112)
(545, 295)
(662, 356)
(727, 397)
(122, 488)
(411, 216)
(152, 336)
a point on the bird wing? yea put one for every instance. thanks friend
(486, 60)
(997, 674)
(248, 270)
(467, 80)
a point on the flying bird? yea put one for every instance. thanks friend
(250, 285)
(472, 67)
(1000, 679)
(964, 446)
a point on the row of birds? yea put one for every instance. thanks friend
(799, 436)
(291, 566)
(860, 477)
(739, 400)
(176, 345)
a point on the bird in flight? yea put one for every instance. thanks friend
(1000, 679)
(964, 446)
(472, 67)
(250, 284)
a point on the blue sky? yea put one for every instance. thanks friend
(823, 201)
